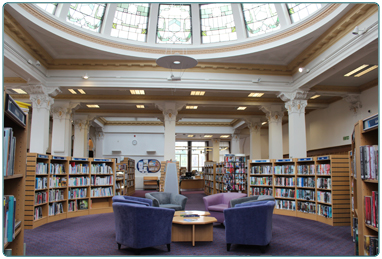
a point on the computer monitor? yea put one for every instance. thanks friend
(189, 174)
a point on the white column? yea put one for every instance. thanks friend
(99, 143)
(254, 125)
(41, 104)
(81, 136)
(215, 149)
(274, 114)
(62, 130)
(295, 103)
(235, 144)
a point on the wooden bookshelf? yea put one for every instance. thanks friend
(209, 177)
(219, 178)
(15, 184)
(120, 178)
(235, 177)
(130, 177)
(362, 187)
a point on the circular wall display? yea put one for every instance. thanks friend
(135, 142)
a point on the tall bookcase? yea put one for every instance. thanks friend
(219, 178)
(120, 178)
(235, 177)
(130, 177)
(14, 184)
(209, 177)
(365, 134)
(260, 180)
(64, 187)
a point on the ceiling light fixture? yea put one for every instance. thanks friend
(178, 62)
(85, 76)
(255, 94)
(19, 91)
(366, 71)
(190, 136)
(358, 31)
(140, 106)
(241, 108)
(258, 80)
(356, 70)
(300, 69)
(224, 136)
(264, 123)
(137, 92)
(81, 91)
(92, 105)
(200, 93)
(315, 96)
(72, 91)
(208, 136)
(192, 107)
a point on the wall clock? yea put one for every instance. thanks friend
(135, 142)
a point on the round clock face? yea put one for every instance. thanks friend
(135, 142)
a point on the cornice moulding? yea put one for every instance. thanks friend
(14, 80)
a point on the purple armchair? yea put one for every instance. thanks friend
(217, 203)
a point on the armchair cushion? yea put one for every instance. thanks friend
(131, 199)
(167, 200)
(218, 207)
(254, 198)
(217, 203)
(246, 204)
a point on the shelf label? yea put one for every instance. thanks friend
(59, 157)
(323, 158)
(101, 160)
(371, 122)
(284, 160)
(305, 159)
(43, 156)
(79, 159)
(261, 161)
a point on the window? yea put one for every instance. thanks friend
(181, 153)
(174, 24)
(298, 12)
(223, 149)
(198, 155)
(130, 21)
(88, 16)
(50, 8)
(217, 23)
(260, 18)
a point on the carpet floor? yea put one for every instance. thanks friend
(95, 235)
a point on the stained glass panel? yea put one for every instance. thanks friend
(260, 18)
(174, 24)
(50, 8)
(298, 12)
(88, 16)
(217, 23)
(130, 21)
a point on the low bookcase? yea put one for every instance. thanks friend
(59, 187)
(120, 178)
(209, 177)
(130, 177)
(219, 178)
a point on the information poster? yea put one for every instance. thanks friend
(148, 166)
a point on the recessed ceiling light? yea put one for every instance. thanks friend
(176, 62)
(190, 136)
(81, 91)
(85, 77)
(300, 69)
(72, 91)
(264, 123)
(356, 70)
(92, 105)
(198, 92)
(255, 94)
(241, 108)
(137, 92)
(192, 107)
(366, 71)
(224, 136)
(140, 106)
(315, 96)
(19, 91)
(208, 136)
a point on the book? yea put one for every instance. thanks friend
(11, 218)
(368, 210)
(190, 220)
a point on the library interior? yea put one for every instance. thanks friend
(190, 129)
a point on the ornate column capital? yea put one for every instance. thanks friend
(99, 133)
(355, 102)
(273, 116)
(170, 110)
(61, 113)
(41, 89)
(41, 101)
(253, 124)
(81, 124)
(295, 102)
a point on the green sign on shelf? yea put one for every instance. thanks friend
(346, 138)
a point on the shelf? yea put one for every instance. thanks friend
(260, 175)
(58, 187)
(370, 181)
(321, 189)
(78, 198)
(15, 176)
(308, 188)
(306, 201)
(40, 219)
(329, 204)
(324, 175)
(285, 198)
(57, 201)
(261, 185)
(77, 174)
(102, 174)
(58, 174)
(280, 186)
(100, 185)
(371, 227)
(101, 197)
(290, 175)
(38, 190)
(306, 175)
(17, 232)
(79, 186)
(40, 204)
(76, 211)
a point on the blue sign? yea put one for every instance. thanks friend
(79, 159)
(305, 159)
(284, 160)
(370, 123)
(323, 158)
(43, 156)
(261, 161)
(59, 157)
(148, 166)
(101, 160)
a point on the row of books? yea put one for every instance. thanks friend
(305, 194)
(232, 170)
(355, 235)
(235, 187)
(101, 168)
(283, 169)
(306, 182)
(77, 205)
(233, 158)
(305, 169)
(371, 209)
(285, 193)
(9, 218)
(369, 162)
(38, 213)
(285, 205)
(41, 168)
(57, 181)
(323, 169)
(77, 193)
(56, 195)
(234, 165)
(40, 197)
(261, 180)
(307, 207)
(55, 208)
(78, 168)
(324, 197)
(324, 183)
(284, 181)
(101, 192)
(105, 180)
(41, 183)
(370, 245)
(261, 191)
(79, 181)
(9, 149)
(261, 169)
(57, 169)
(325, 211)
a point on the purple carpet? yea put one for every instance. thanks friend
(95, 235)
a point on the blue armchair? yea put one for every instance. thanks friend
(139, 226)
(167, 200)
(249, 224)
(132, 199)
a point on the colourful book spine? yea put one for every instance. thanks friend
(11, 218)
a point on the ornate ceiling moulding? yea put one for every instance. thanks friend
(234, 122)
(111, 111)
(345, 25)
(238, 113)
(208, 124)
(134, 123)
(39, 14)
(334, 88)
(102, 120)
(14, 80)
(25, 40)
(20, 96)
(368, 85)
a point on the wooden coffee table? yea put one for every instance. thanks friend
(197, 212)
(201, 229)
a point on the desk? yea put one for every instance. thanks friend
(190, 184)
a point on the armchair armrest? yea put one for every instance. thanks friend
(211, 200)
(179, 200)
(155, 200)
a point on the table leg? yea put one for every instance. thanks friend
(193, 234)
